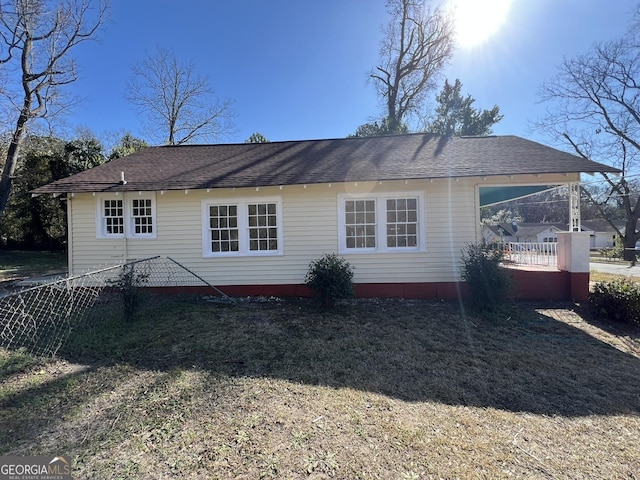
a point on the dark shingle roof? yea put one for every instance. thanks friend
(394, 157)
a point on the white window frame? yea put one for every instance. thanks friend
(242, 205)
(381, 222)
(129, 219)
(132, 220)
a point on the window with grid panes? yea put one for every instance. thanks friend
(360, 223)
(126, 215)
(402, 222)
(223, 224)
(263, 226)
(113, 217)
(242, 227)
(142, 216)
(381, 222)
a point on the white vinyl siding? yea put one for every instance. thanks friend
(309, 222)
(241, 227)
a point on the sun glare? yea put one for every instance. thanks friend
(478, 20)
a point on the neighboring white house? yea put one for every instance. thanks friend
(601, 233)
(523, 232)
(249, 218)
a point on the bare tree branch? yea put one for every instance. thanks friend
(417, 44)
(179, 105)
(595, 100)
(43, 32)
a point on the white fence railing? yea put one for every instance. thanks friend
(530, 253)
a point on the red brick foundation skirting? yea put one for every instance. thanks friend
(527, 285)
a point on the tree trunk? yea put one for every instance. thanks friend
(629, 240)
(11, 162)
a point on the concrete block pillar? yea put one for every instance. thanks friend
(573, 258)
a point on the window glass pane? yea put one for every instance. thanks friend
(141, 214)
(113, 217)
(360, 223)
(264, 215)
(402, 223)
(223, 226)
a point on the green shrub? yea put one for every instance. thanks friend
(488, 284)
(611, 253)
(128, 283)
(331, 277)
(617, 300)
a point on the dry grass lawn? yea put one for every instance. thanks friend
(373, 390)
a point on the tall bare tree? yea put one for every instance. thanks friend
(418, 42)
(594, 107)
(179, 104)
(38, 36)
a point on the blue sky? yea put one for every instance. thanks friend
(297, 69)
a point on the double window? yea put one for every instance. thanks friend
(133, 217)
(381, 223)
(241, 227)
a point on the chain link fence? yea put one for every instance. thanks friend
(40, 319)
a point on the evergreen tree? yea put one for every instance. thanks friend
(456, 115)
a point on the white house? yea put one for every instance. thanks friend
(523, 232)
(249, 218)
(601, 233)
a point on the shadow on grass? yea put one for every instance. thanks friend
(412, 351)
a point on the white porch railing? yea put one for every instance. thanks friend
(529, 253)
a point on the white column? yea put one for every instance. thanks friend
(573, 251)
(574, 207)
